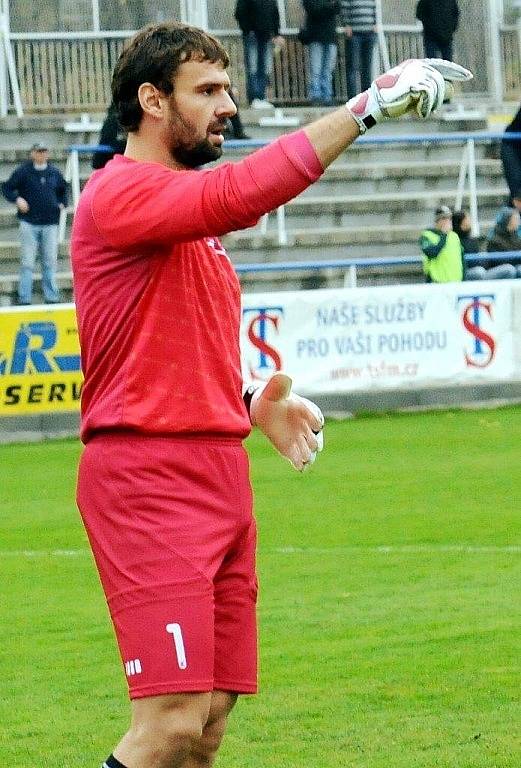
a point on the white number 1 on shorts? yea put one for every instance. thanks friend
(175, 630)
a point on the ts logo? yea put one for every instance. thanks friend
(476, 311)
(259, 323)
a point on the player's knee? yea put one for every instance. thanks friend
(179, 730)
(205, 749)
(171, 734)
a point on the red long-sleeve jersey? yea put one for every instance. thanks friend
(157, 298)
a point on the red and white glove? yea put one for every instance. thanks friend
(415, 85)
(292, 423)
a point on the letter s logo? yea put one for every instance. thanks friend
(471, 312)
(269, 360)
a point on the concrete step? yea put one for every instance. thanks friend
(16, 150)
(332, 202)
(362, 153)
(250, 246)
(20, 133)
(313, 243)
(345, 176)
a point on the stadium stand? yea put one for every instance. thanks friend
(371, 203)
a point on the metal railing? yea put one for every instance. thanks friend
(51, 71)
(349, 268)
(467, 173)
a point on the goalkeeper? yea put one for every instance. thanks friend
(163, 484)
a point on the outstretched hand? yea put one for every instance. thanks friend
(415, 85)
(292, 423)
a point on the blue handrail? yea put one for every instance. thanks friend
(390, 261)
(420, 138)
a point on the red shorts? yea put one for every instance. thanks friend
(171, 527)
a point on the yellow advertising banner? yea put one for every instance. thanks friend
(40, 368)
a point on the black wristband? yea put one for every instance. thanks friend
(369, 121)
(247, 396)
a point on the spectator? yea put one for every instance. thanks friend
(112, 135)
(259, 23)
(358, 18)
(444, 253)
(320, 26)
(39, 192)
(462, 226)
(505, 237)
(515, 202)
(511, 157)
(440, 21)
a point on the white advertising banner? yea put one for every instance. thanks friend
(391, 337)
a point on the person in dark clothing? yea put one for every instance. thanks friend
(112, 135)
(504, 237)
(39, 192)
(462, 226)
(320, 26)
(358, 19)
(259, 23)
(485, 270)
(440, 20)
(511, 157)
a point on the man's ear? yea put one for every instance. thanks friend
(150, 100)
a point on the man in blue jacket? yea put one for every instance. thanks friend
(39, 192)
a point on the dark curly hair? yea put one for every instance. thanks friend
(154, 55)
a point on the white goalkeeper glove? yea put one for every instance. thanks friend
(415, 85)
(291, 422)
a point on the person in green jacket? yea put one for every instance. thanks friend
(442, 251)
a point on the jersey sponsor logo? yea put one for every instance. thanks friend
(262, 324)
(133, 667)
(477, 317)
(179, 645)
(216, 246)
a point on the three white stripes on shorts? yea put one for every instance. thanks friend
(134, 667)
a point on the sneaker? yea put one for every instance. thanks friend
(261, 104)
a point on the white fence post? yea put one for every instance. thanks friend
(462, 177)
(75, 176)
(195, 12)
(263, 225)
(382, 43)
(4, 85)
(282, 14)
(281, 225)
(473, 188)
(96, 26)
(350, 277)
(495, 74)
(10, 63)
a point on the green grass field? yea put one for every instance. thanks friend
(389, 605)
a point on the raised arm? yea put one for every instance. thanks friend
(169, 205)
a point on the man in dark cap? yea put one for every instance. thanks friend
(39, 192)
